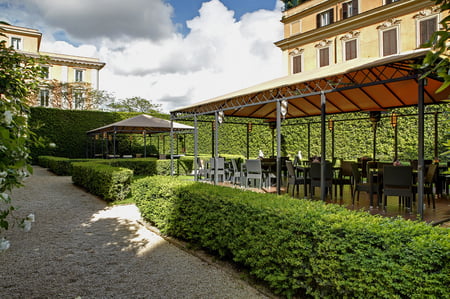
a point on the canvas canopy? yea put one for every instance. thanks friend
(141, 123)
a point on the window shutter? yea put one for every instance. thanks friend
(350, 50)
(355, 8)
(324, 57)
(296, 64)
(389, 42)
(318, 21)
(427, 28)
(344, 10)
(388, 1)
(331, 14)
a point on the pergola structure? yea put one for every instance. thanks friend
(371, 84)
(142, 124)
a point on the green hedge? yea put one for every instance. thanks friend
(58, 165)
(300, 247)
(110, 183)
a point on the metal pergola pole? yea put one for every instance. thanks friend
(323, 131)
(278, 147)
(195, 148)
(216, 148)
(171, 148)
(420, 166)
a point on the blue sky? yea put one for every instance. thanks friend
(171, 52)
(188, 9)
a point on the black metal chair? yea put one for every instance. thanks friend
(398, 181)
(345, 177)
(429, 180)
(236, 173)
(220, 169)
(253, 172)
(315, 177)
(371, 187)
(294, 180)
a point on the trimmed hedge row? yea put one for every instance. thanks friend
(140, 166)
(301, 247)
(110, 183)
(58, 165)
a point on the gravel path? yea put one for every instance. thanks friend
(80, 247)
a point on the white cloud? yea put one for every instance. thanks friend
(219, 55)
(87, 20)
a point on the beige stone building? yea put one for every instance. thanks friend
(71, 81)
(321, 33)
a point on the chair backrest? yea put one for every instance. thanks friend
(290, 168)
(397, 176)
(220, 163)
(315, 171)
(431, 173)
(296, 161)
(356, 174)
(253, 166)
(234, 165)
(346, 168)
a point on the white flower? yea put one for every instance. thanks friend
(7, 116)
(4, 244)
(52, 145)
(31, 217)
(4, 196)
(26, 225)
(3, 174)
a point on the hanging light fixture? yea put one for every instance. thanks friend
(249, 127)
(394, 119)
(284, 108)
(331, 124)
(220, 117)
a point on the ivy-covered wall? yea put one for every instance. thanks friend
(352, 132)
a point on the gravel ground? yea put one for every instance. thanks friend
(80, 247)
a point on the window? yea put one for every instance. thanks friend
(16, 43)
(324, 57)
(350, 50)
(325, 18)
(391, 1)
(389, 39)
(78, 75)
(46, 72)
(296, 64)
(349, 9)
(426, 29)
(78, 100)
(44, 97)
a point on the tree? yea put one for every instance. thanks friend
(135, 104)
(74, 95)
(437, 60)
(19, 79)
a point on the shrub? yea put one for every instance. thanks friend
(302, 247)
(140, 166)
(110, 183)
(58, 165)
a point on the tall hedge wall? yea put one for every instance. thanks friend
(353, 135)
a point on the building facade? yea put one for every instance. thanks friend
(321, 33)
(71, 81)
